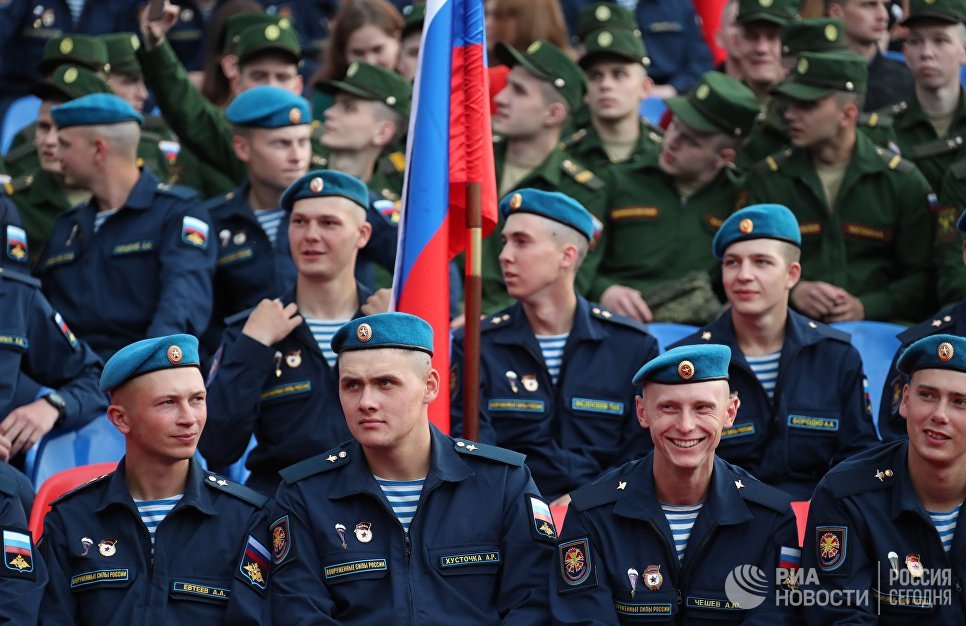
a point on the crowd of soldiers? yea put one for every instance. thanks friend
(212, 278)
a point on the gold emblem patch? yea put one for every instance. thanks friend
(945, 351)
(602, 13)
(746, 226)
(364, 332)
(516, 200)
(831, 32)
(686, 370)
(605, 39)
(316, 184)
(66, 45)
(175, 355)
(70, 75)
(295, 116)
(272, 32)
(802, 66)
(702, 92)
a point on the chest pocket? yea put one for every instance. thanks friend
(713, 605)
(810, 437)
(345, 566)
(467, 560)
(200, 590)
(97, 576)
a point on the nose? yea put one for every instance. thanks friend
(744, 271)
(367, 400)
(506, 256)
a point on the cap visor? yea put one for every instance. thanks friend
(607, 53)
(929, 16)
(686, 112)
(798, 91)
(334, 86)
(510, 57)
(762, 17)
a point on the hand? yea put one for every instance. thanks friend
(458, 322)
(5, 448)
(626, 301)
(817, 299)
(563, 500)
(154, 31)
(271, 322)
(850, 309)
(24, 426)
(377, 302)
(663, 92)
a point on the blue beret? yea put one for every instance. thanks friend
(268, 107)
(686, 364)
(149, 355)
(385, 330)
(97, 108)
(938, 352)
(758, 221)
(324, 184)
(552, 205)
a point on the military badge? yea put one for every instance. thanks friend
(86, 544)
(914, 565)
(18, 554)
(541, 519)
(194, 232)
(294, 358)
(364, 532)
(364, 332)
(685, 370)
(107, 547)
(340, 530)
(511, 378)
(945, 352)
(632, 578)
(830, 546)
(316, 184)
(575, 563)
(239, 238)
(653, 579)
(174, 355)
(530, 382)
(67, 332)
(255, 564)
(16, 243)
(281, 539)
(224, 236)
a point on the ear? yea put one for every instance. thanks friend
(731, 411)
(365, 232)
(432, 386)
(383, 133)
(101, 148)
(641, 412)
(904, 403)
(850, 114)
(794, 275)
(229, 67)
(726, 156)
(555, 114)
(646, 86)
(569, 258)
(241, 147)
(834, 9)
(119, 417)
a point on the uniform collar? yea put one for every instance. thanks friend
(865, 158)
(519, 332)
(356, 478)
(799, 331)
(304, 333)
(722, 505)
(914, 115)
(549, 170)
(142, 195)
(237, 204)
(117, 492)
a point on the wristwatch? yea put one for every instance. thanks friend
(57, 401)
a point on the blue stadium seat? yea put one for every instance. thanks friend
(652, 109)
(877, 343)
(97, 442)
(895, 55)
(667, 333)
(21, 112)
(237, 471)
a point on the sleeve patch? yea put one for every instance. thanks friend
(18, 553)
(541, 520)
(831, 548)
(255, 565)
(194, 232)
(281, 539)
(575, 566)
(16, 243)
(66, 331)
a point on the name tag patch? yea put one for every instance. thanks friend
(826, 424)
(355, 567)
(695, 602)
(235, 257)
(99, 576)
(60, 259)
(738, 430)
(13, 340)
(866, 232)
(643, 608)
(470, 559)
(648, 212)
(280, 391)
(509, 404)
(810, 228)
(133, 247)
(597, 406)
(201, 591)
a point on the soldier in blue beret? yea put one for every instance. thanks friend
(662, 536)
(787, 435)
(555, 369)
(272, 137)
(949, 320)
(401, 506)
(139, 248)
(160, 536)
(882, 526)
(274, 375)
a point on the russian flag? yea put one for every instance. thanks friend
(450, 144)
